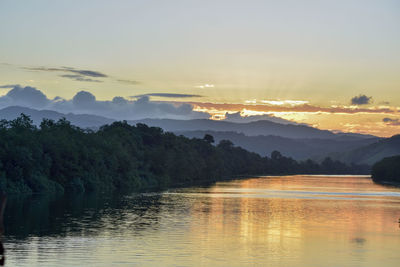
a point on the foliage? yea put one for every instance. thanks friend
(387, 170)
(58, 156)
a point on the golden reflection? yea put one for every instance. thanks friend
(292, 217)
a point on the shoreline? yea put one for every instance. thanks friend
(388, 183)
(202, 183)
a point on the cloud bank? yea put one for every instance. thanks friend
(306, 108)
(361, 100)
(86, 103)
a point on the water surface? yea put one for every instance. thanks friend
(268, 221)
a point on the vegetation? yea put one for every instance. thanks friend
(58, 157)
(387, 170)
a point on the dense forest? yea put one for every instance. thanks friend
(387, 170)
(58, 157)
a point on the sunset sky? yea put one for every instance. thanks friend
(330, 64)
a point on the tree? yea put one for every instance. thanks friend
(276, 155)
(209, 138)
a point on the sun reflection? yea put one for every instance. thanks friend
(267, 217)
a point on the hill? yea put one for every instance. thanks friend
(387, 171)
(80, 120)
(371, 153)
(58, 156)
(261, 127)
(262, 136)
(298, 149)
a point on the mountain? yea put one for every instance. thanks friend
(371, 153)
(254, 128)
(80, 120)
(298, 149)
(263, 137)
(262, 127)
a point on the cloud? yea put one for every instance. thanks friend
(237, 117)
(205, 86)
(306, 108)
(7, 86)
(83, 99)
(393, 122)
(128, 81)
(86, 103)
(80, 75)
(87, 73)
(361, 100)
(24, 96)
(168, 95)
(284, 102)
(79, 78)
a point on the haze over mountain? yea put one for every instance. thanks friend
(372, 153)
(263, 137)
(80, 120)
(254, 128)
(299, 149)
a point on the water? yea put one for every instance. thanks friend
(271, 221)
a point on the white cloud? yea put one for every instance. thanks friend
(205, 86)
(284, 102)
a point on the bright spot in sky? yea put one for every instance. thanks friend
(205, 86)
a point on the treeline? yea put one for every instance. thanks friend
(58, 157)
(387, 170)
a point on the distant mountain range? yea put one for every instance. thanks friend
(80, 120)
(262, 127)
(371, 153)
(299, 148)
(263, 136)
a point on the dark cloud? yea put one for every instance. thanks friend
(167, 95)
(80, 75)
(361, 100)
(128, 81)
(7, 86)
(86, 103)
(393, 122)
(86, 73)
(79, 78)
(89, 73)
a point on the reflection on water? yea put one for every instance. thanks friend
(272, 221)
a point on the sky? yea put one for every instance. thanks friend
(330, 64)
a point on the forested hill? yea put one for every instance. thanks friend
(387, 170)
(57, 156)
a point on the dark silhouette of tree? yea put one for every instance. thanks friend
(387, 170)
(58, 157)
(209, 138)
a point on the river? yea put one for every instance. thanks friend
(269, 221)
